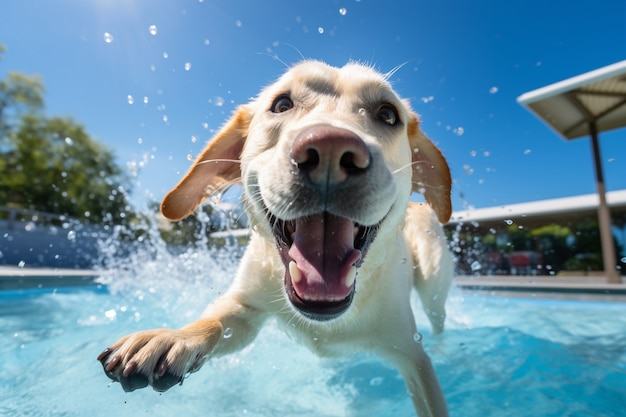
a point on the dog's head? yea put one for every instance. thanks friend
(328, 158)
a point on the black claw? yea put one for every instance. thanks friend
(104, 355)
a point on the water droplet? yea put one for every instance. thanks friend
(320, 30)
(108, 38)
(21, 264)
(139, 141)
(343, 11)
(145, 100)
(71, 235)
(218, 101)
(69, 141)
(476, 266)
(376, 381)
(508, 221)
(165, 118)
(165, 55)
(238, 23)
(194, 139)
(153, 30)
(228, 332)
(527, 151)
(187, 66)
(493, 90)
(189, 157)
(110, 314)
(417, 337)
(207, 42)
(462, 346)
(130, 99)
(459, 131)
(427, 99)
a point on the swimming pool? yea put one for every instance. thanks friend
(498, 356)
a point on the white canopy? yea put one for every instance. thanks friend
(569, 106)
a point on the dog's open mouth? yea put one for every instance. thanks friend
(322, 254)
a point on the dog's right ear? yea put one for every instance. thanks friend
(216, 168)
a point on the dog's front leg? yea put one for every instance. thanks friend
(418, 373)
(410, 359)
(162, 357)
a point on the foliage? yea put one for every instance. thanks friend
(572, 247)
(52, 164)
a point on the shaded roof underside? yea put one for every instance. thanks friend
(571, 105)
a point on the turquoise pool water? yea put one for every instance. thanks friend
(498, 356)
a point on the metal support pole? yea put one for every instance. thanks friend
(604, 215)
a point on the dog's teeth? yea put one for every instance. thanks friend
(351, 277)
(296, 275)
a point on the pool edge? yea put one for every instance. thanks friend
(15, 278)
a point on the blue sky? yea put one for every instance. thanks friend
(169, 73)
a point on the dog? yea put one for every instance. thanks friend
(328, 159)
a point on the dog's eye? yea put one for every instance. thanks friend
(387, 114)
(281, 104)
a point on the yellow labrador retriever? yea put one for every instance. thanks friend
(328, 158)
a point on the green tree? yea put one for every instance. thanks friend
(52, 164)
(19, 94)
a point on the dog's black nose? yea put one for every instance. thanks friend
(330, 155)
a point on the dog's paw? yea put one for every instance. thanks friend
(159, 358)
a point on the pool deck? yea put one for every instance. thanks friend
(590, 288)
(559, 287)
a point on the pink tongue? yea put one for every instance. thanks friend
(323, 249)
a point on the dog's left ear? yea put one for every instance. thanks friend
(216, 168)
(431, 174)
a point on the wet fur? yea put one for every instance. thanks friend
(409, 251)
